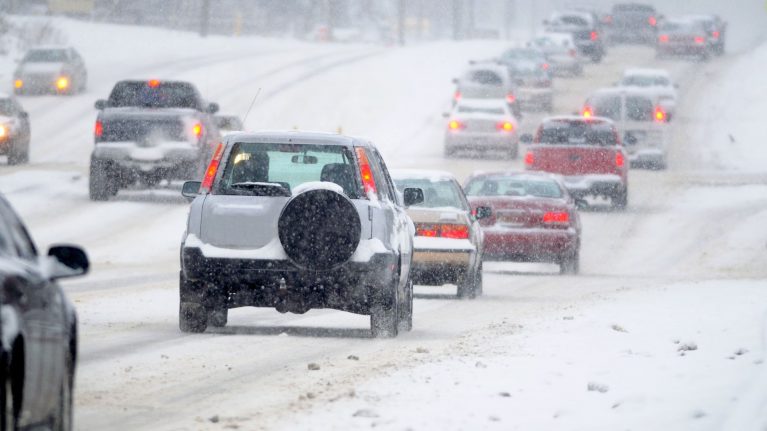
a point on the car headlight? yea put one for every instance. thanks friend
(18, 83)
(5, 130)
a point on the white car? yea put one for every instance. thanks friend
(640, 119)
(656, 80)
(561, 53)
(482, 125)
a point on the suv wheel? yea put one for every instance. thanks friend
(621, 200)
(218, 316)
(406, 312)
(384, 317)
(467, 285)
(570, 264)
(101, 185)
(8, 417)
(192, 315)
(478, 290)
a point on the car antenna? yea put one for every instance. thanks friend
(251, 106)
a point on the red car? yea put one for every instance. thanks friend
(587, 152)
(533, 219)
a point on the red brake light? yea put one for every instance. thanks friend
(545, 66)
(210, 173)
(368, 182)
(504, 126)
(587, 112)
(153, 83)
(663, 38)
(454, 231)
(699, 40)
(197, 130)
(660, 115)
(457, 95)
(594, 35)
(652, 21)
(451, 231)
(715, 35)
(619, 160)
(556, 217)
(510, 98)
(529, 158)
(98, 129)
(456, 125)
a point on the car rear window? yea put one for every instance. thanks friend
(145, 130)
(639, 109)
(480, 110)
(46, 56)
(261, 169)
(436, 194)
(572, 20)
(577, 133)
(485, 77)
(679, 27)
(151, 95)
(513, 186)
(645, 81)
(606, 106)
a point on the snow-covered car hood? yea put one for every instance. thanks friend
(52, 68)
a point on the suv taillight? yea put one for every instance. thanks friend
(210, 173)
(556, 219)
(529, 159)
(619, 159)
(368, 182)
(98, 129)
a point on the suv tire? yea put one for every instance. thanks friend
(192, 314)
(570, 264)
(467, 285)
(621, 200)
(101, 185)
(406, 311)
(384, 317)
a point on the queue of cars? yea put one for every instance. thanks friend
(336, 228)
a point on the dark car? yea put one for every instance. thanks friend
(297, 221)
(532, 218)
(586, 31)
(685, 37)
(14, 131)
(148, 131)
(58, 70)
(632, 22)
(38, 349)
(716, 30)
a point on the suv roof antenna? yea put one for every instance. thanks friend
(251, 106)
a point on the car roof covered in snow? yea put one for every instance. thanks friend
(432, 175)
(296, 137)
(638, 71)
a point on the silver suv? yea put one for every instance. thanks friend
(296, 221)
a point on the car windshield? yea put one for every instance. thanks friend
(463, 109)
(645, 81)
(277, 169)
(436, 193)
(46, 56)
(513, 186)
(154, 95)
(577, 133)
(679, 27)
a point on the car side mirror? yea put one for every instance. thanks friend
(70, 261)
(581, 203)
(412, 196)
(526, 138)
(191, 189)
(212, 108)
(483, 212)
(100, 104)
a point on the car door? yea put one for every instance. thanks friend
(41, 307)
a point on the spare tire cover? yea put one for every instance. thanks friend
(319, 229)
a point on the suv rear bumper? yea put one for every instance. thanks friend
(177, 163)
(352, 286)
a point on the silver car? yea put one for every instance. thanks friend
(480, 126)
(297, 221)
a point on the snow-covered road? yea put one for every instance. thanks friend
(664, 329)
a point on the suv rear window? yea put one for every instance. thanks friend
(259, 169)
(639, 109)
(161, 95)
(145, 130)
(577, 133)
(486, 77)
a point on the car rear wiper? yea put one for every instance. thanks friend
(256, 188)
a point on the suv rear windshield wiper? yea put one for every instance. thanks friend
(261, 189)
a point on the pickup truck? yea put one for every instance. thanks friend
(586, 152)
(148, 131)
